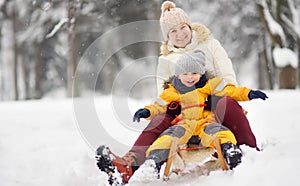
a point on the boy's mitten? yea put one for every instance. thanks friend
(255, 94)
(141, 113)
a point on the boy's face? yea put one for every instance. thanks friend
(180, 35)
(189, 79)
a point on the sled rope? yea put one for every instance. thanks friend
(191, 148)
(179, 117)
(192, 106)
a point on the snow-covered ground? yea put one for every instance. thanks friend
(42, 143)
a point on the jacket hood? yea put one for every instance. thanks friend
(201, 31)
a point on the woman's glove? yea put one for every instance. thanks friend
(141, 113)
(211, 102)
(173, 109)
(255, 94)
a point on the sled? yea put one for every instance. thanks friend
(197, 159)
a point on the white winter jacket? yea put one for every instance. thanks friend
(217, 64)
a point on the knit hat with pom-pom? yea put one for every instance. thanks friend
(172, 16)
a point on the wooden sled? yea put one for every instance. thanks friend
(201, 158)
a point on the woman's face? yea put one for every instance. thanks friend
(180, 35)
(189, 79)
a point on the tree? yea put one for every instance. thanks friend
(281, 22)
(73, 12)
(9, 52)
(237, 27)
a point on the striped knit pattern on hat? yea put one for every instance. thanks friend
(191, 62)
(172, 16)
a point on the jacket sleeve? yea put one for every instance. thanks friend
(158, 107)
(237, 93)
(160, 104)
(222, 63)
(220, 87)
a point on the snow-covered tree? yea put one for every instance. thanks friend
(280, 19)
(235, 25)
(24, 54)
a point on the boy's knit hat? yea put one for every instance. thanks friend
(191, 62)
(171, 16)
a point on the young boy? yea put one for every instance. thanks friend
(190, 88)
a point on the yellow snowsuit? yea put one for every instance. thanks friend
(194, 120)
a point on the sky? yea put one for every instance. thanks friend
(42, 142)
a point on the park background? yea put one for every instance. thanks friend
(43, 41)
(72, 73)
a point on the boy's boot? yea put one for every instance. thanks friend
(232, 154)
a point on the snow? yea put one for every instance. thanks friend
(284, 57)
(57, 27)
(42, 144)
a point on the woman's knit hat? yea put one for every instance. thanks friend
(191, 62)
(172, 16)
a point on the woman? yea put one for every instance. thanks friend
(182, 36)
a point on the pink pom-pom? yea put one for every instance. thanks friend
(167, 5)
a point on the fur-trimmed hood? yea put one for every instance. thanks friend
(201, 31)
(167, 83)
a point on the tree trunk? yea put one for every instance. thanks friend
(37, 72)
(72, 85)
(23, 77)
(268, 65)
(9, 60)
(298, 69)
